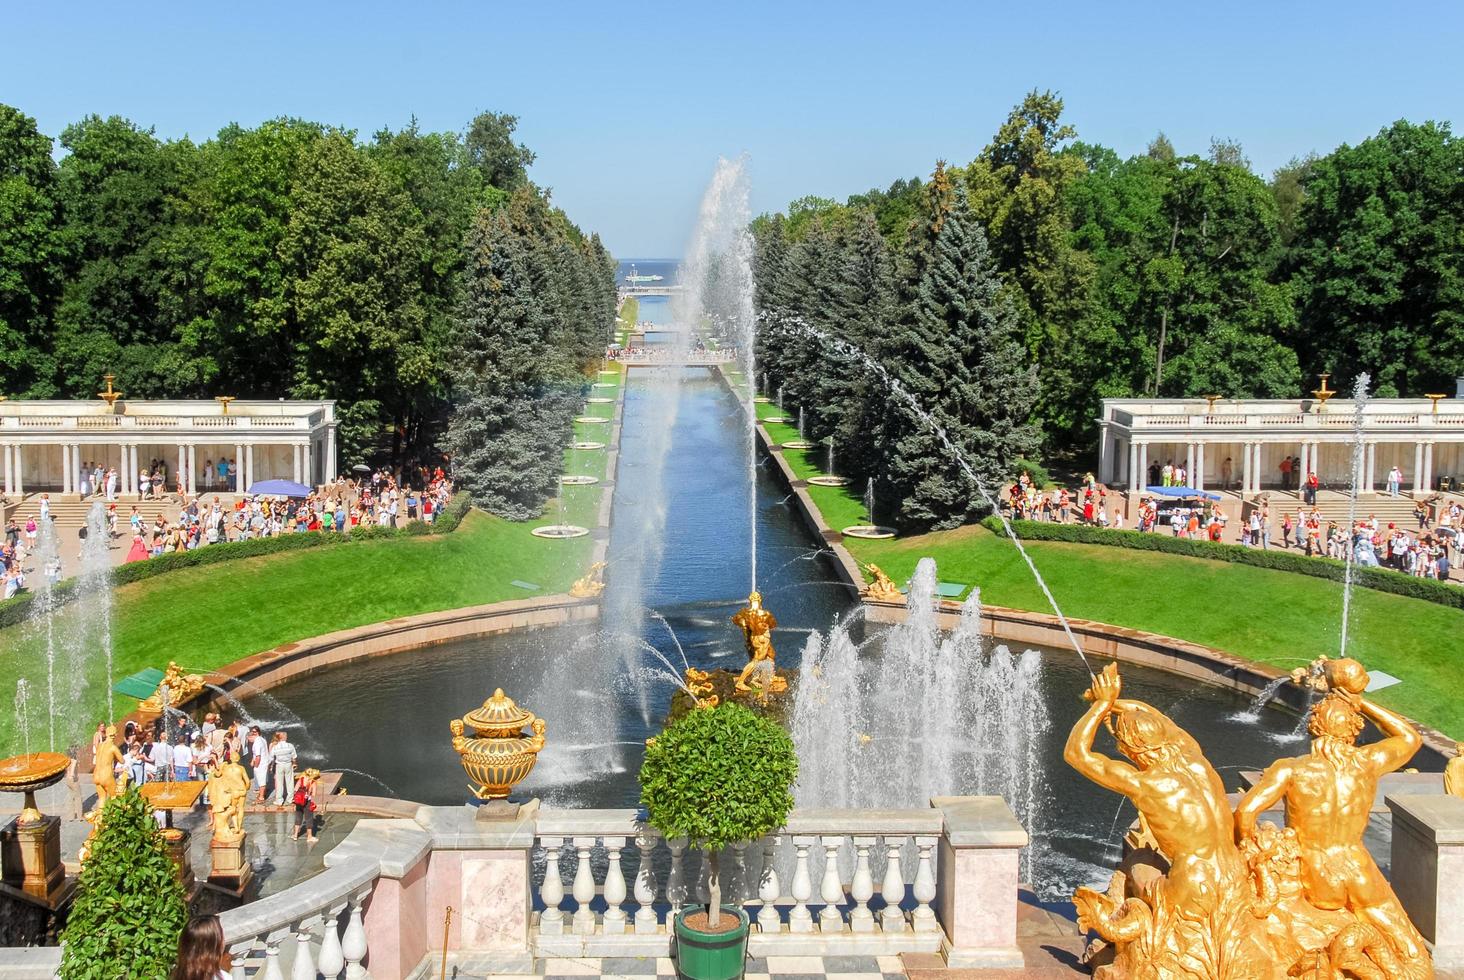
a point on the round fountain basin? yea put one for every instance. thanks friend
(780, 419)
(591, 420)
(872, 532)
(578, 479)
(798, 444)
(829, 481)
(32, 772)
(560, 531)
(587, 446)
(600, 401)
(604, 384)
(762, 399)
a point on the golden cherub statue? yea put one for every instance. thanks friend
(591, 585)
(757, 632)
(105, 761)
(1454, 772)
(1215, 893)
(882, 589)
(699, 684)
(181, 687)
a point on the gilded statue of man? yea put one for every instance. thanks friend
(757, 632)
(104, 769)
(1328, 797)
(1454, 772)
(1204, 898)
(228, 790)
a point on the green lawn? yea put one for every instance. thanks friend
(1269, 616)
(210, 616)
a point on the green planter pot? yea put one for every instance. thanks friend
(711, 956)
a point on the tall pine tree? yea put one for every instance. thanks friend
(961, 356)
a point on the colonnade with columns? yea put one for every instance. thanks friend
(1420, 463)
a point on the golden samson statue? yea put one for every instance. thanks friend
(757, 631)
(1209, 893)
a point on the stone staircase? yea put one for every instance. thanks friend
(69, 512)
(1335, 506)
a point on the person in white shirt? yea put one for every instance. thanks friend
(162, 759)
(282, 754)
(258, 761)
(1395, 480)
(182, 759)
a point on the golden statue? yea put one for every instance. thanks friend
(699, 684)
(882, 589)
(105, 761)
(1328, 796)
(1192, 917)
(180, 687)
(1454, 772)
(591, 585)
(228, 793)
(1204, 893)
(757, 631)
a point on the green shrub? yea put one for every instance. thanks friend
(1379, 579)
(416, 529)
(129, 906)
(719, 776)
(1036, 472)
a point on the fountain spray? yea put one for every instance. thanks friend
(900, 391)
(1359, 402)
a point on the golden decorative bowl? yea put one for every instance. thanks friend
(29, 773)
(500, 756)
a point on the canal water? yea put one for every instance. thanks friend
(602, 693)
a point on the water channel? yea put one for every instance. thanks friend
(602, 693)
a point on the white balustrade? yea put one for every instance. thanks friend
(551, 921)
(830, 889)
(799, 918)
(353, 941)
(584, 888)
(614, 922)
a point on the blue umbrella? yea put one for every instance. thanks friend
(279, 488)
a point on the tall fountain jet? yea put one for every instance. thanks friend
(718, 294)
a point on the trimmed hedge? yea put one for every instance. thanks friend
(1379, 579)
(16, 610)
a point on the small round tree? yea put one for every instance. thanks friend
(129, 905)
(719, 776)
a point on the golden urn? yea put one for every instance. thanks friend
(499, 757)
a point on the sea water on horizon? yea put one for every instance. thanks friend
(653, 309)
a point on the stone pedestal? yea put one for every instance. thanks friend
(976, 881)
(31, 856)
(1428, 871)
(176, 841)
(229, 871)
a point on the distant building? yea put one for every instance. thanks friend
(1423, 437)
(43, 444)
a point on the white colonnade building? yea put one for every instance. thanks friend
(44, 444)
(1423, 437)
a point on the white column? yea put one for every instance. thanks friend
(1257, 474)
(295, 463)
(1316, 458)
(330, 453)
(1428, 467)
(238, 475)
(1198, 481)
(247, 461)
(1136, 477)
(1417, 473)
(1299, 469)
(65, 468)
(308, 464)
(1247, 458)
(1143, 464)
(192, 470)
(9, 473)
(18, 479)
(182, 463)
(1189, 463)
(1370, 470)
(76, 467)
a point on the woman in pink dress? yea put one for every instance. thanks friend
(138, 551)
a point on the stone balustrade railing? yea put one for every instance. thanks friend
(551, 883)
(1291, 420)
(156, 422)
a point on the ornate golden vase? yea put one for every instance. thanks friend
(500, 756)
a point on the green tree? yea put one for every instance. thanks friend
(962, 358)
(30, 256)
(717, 777)
(1376, 262)
(491, 150)
(129, 907)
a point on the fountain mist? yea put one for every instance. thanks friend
(717, 276)
(1359, 402)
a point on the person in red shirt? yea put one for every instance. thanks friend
(1215, 531)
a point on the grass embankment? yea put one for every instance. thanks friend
(210, 616)
(625, 321)
(1274, 617)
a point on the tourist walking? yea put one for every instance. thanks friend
(304, 800)
(258, 761)
(282, 755)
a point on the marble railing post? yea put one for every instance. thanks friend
(1428, 870)
(976, 881)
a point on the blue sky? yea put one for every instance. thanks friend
(628, 106)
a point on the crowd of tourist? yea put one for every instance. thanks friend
(180, 751)
(1428, 551)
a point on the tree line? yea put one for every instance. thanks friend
(289, 259)
(1158, 275)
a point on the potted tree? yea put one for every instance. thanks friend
(717, 776)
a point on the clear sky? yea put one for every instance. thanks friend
(628, 105)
